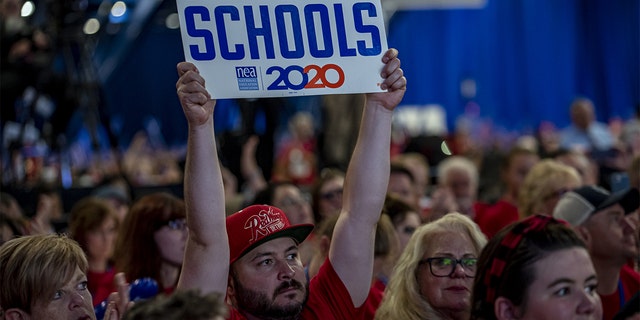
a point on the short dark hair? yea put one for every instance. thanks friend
(189, 304)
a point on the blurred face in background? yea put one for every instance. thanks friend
(401, 186)
(330, 197)
(516, 172)
(171, 239)
(100, 242)
(290, 199)
(406, 227)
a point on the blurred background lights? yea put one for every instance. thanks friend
(119, 13)
(445, 148)
(91, 26)
(119, 9)
(27, 9)
(172, 21)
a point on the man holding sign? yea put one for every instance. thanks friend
(283, 47)
(256, 263)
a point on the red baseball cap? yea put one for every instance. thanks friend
(257, 224)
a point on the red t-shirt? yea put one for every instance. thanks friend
(328, 299)
(630, 281)
(100, 284)
(370, 306)
(494, 217)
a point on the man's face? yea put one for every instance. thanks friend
(269, 281)
(71, 302)
(612, 235)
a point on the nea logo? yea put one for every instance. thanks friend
(247, 78)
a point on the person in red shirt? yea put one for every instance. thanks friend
(505, 211)
(94, 224)
(600, 217)
(254, 259)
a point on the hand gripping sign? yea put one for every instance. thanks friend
(276, 48)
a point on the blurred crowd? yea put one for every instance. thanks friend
(449, 197)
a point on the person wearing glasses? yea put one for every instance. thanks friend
(433, 277)
(151, 241)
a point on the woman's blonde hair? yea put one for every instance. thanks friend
(541, 181)
(402, 298)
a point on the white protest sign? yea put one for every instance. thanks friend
(276, 48)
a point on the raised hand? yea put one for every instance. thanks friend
(195, 99)
(394, 82)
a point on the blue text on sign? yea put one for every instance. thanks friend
(282, 13)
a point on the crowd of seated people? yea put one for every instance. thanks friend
(572, 231)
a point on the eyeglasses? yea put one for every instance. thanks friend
(445, 267)
(330, 195)
(408, 230)
(177, 224)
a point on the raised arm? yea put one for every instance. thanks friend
(206, 261)
(351, 252)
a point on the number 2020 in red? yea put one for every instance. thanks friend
(318, 77)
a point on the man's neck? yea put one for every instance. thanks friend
(249, 316)
(608, 276)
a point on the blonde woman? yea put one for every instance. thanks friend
(433, 277)
(543, 186)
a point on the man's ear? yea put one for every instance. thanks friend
(16, 314)
(583, 232)
(505, 309)
(231, 287)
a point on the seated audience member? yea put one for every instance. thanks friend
(405, 219)
(433, 277)
(587, 169)
(151, 240)
(326, 194)
(402, 185)
(43, 277)
(9, 228)
(296, 159)
(252, 255)
(585, 133)
(236, 199)
(513, 171)
(543, 186)
(94, 225)
(600, 219)
(48, 210)
(457, 188)
(419, 166)
(180, 305)
(537, 268)
(117, 194)
(290, 199)
(10, 206)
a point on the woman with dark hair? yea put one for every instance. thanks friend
(152, 239)
(94, 225)
(537, 268)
